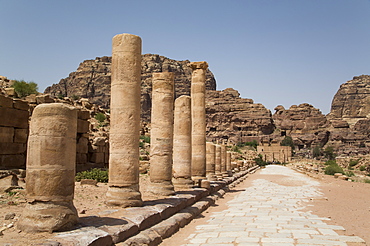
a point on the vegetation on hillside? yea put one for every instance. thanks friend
(23, 88)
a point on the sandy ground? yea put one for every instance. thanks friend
(346, 203)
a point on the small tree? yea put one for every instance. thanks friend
(329, 153)
(316, 152)
(23, 88)
(288, 141)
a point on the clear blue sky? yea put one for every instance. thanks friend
(277, 52)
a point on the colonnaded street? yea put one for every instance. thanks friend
(271, 212)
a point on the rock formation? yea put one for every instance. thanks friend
(304, 123)
(236, 119)
(352, 101)
(92, 80)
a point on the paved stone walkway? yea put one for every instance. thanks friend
(269, 213)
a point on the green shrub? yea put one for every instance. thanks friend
(259, 161)
(367, 181)
(97, 174)
(146, 139)
(236, 149)
(362, 168)
(252, 144)
(331, 162)
(141, 144)
(333, 168)
(75, 97)
(353, 163)
(349, 174)
(100, 117)
(23, 88)
(329, 153)
(316, 152)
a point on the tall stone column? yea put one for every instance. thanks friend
(198, 116)
(223, 160)
(218, 161)
(210, 161)
(182, 144)
(228, 163)
(124, 134)
(161, 135)
(51, 167)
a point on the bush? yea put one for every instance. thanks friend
(316, 152)
(331, 162)
(146, 139)
(95, 173)
(333, 168)
(259, 161)
(100, 117)
(362, 168)
(236, 149)
(353, 163)
(329, 153)
(23, 88)
(252, 144)
(349, 174)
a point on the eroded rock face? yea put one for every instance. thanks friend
(92, 80)
(236, 119)
(305, 123)
(352, 101)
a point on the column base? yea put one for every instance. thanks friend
(211, 177)
(164, 188)
(183, 184)
(128, 196)
(47, 217)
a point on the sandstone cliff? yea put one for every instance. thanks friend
(236, 119)
(304, 123)
(92, 80)
(352, 101)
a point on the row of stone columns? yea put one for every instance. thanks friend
(179, 153)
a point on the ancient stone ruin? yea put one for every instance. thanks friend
(125, 122)
(51, 167)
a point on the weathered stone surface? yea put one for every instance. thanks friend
(6, 134)
(352, 100)
(182, 144)
(51, 164)
(14, 117)
(20, 135)
(124, 136)
(6, 102)
(8, 180)
(236, 119)
(161, 134)
(198, 119)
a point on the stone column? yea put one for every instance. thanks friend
(124, 133)
(218, 161)
(182, 144)
(210, 161)
(198, 116)
(223, 161)
(51, 165)
(228, 163)
(161, 135)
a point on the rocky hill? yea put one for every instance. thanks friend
(352, 101)
(236, 119)
(92, 80)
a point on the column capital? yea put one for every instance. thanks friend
(198, 65)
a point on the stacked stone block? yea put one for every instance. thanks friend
(13, 132)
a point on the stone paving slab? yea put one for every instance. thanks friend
(268, 213)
